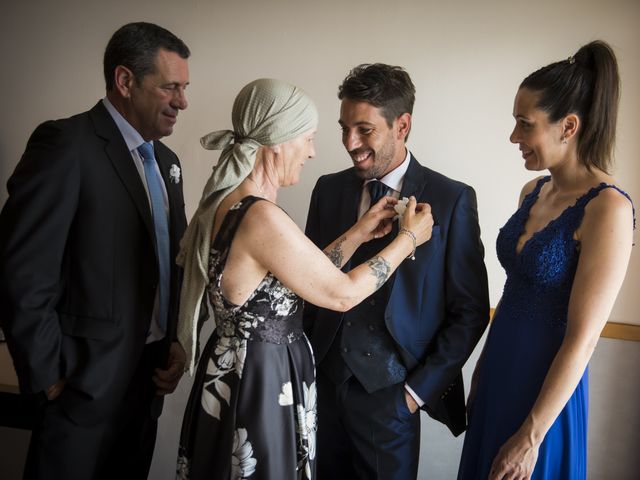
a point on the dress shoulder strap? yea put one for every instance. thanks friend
(532, 196)
(591, 194)
(582, 202)
(232, 221)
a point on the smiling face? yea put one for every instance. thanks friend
(292, 156)
(374, 147)
(153, 104)
(540, 140)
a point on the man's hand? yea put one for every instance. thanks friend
(55, 390)
(167, 380)
(411, 403)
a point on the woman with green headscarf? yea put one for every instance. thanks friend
(252, 408)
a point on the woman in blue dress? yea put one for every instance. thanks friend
(565, 252)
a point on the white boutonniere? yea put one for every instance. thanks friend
(400, 207)
(174, 173)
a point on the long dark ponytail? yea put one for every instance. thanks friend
(588, 85)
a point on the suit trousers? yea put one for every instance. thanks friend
(121, 446)
(365, 435)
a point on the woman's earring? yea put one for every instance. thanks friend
(563, 140)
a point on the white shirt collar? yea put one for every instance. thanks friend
(131, 136)
(395, 178)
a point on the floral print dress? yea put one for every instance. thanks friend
(252, 409)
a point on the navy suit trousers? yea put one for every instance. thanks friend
(365, 435)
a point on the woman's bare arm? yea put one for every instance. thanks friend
(268, 240)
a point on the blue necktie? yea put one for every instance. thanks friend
(161, 227)
(377, 190)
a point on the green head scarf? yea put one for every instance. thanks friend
(265, 112)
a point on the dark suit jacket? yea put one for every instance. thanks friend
(438, 306)
(78, 269)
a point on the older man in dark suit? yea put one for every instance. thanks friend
(88, 285)
(403, 347)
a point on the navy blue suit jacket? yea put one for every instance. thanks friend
(78, 269)
(438, 306)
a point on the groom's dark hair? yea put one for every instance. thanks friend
(135, 46)
(386, 87)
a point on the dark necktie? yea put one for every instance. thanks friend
(161, 228)
(377, 190)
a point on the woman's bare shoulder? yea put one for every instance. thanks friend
(611, 200)
(267, 218)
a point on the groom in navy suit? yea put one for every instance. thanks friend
(88, 287)
(403, 348)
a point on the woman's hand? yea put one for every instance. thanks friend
(516, 459)
(377, 221)
(417, 218)
(412, 405)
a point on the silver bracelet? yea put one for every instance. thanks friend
(412, 236)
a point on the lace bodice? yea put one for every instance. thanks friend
(541, 275)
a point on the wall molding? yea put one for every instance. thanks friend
(621, 331)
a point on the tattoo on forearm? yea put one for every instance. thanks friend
(380, 269)
(335, 254)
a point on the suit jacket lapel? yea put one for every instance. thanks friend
(176, 227)
(116, 150)
(414, 183)
(164, 164)
(414, 180)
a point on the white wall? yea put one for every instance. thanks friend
(466, 59)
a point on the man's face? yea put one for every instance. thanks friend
(155, 102)
(374, 147)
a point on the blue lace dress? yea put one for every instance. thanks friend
(525, 336)
(252, 408)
